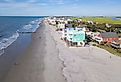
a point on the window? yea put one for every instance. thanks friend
(70, 34)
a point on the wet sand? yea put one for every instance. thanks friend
(13, 52)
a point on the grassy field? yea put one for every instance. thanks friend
(102, 20)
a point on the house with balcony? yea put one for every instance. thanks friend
(107, 37)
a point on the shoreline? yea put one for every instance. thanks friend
(35, 64)
(49, 60)
(14, 52)
(11, 53)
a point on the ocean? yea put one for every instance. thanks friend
(12, 26)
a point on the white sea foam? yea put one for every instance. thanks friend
(5, 42)
(31, 27)
(1, 52)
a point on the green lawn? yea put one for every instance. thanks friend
(102, 20)
(75, 18)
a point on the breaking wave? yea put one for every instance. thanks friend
(5, 42)
(29, 28)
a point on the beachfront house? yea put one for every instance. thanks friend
(52, 21)
(68, 21)
(75, 36)
(94, 35)
(108, 37)
(61, 25)
(68, 25)
(116, 44)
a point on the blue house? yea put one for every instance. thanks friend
(75, 36)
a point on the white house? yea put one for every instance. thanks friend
(61, 26)
(90, 22)
(116, 44)
(74, 35)
(52, 21)
(107, 25)
(96, 37)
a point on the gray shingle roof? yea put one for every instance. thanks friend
(69, 25)
(109, 35)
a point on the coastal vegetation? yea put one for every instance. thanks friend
(103, 24)
(99, 24)
(101, 20)
(102, 28)
(116, 52)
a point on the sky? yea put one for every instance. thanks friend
(60, 7)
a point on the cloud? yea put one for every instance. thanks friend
(13, 5)
(58, 7)
(32, 1)
(76, 0)
(9, 0)
(60, 2)
(43, 4)
(57, 1)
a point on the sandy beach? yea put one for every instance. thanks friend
(48, 59)
(40, 62)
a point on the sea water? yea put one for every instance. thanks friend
(11, 26)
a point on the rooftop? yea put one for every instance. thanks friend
(109, 35)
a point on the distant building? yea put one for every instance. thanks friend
(90, 22)
(52, 21)
(68, 25)
(107, 25)
(61, 25)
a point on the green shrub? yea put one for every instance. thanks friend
(94, 45)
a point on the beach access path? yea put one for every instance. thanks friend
(49, 60)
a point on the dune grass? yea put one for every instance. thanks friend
(111, 50)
